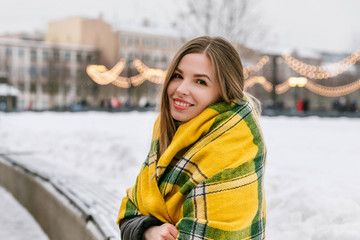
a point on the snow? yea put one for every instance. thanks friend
(7, 90)
(15, 221)
(311, 183)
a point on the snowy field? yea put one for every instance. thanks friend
(17, 223)
(311, 182)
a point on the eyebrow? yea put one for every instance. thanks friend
(196, 75)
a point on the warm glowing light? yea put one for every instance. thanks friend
(317, 88)
(101, 75)
(297, 81)
(282, 88)
(268, 86)
(152, 74)
(333, 91)
(321, 72)
(258, 66)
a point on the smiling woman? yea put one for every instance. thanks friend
(203, 177)
(192, 87)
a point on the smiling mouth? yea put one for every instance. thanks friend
(182, 104)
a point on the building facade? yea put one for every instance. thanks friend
(51, 74)
(89, 32)
(48, 75)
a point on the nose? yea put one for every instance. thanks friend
(183, 88)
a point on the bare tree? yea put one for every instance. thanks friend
(237, 20)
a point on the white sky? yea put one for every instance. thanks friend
(322, 24)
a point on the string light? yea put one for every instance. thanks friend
(282, 88)
(291, 82)
(333, 91)
(137, 80)
(152, 74)
(254, 69)
(321, 72)
(304, 82)
(258, 80)
(121, 82)
(101, 75)
(297, 81)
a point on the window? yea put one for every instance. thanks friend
(89, 59)
(56, 56)
(165, 43)
(67, 72)
(78, 73)
(156, 43)
(44, 71)
(147, 42)
(21, 70)
(8, 52)
(164, 59)
(55, 72)
(136, 41)
(147, 58)
(130, 40)
(67, 57)
(32, 70)
(7, 68)
(123, 40)
(78, 57)
(33, 55)
(45, 55)
(21, 53)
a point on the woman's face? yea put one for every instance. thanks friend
(192, 87)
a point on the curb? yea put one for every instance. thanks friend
(60, 213)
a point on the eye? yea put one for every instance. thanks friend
(176, 75)
(201, 82)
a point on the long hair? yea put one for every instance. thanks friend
(228, 73)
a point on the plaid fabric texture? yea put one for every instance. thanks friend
(209, 181)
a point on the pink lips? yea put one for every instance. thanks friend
(181, 104)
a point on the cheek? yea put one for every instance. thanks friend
(217, 97)
(215, 93)
(171, 88)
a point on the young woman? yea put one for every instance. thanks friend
(203, 177)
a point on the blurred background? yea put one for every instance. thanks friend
(64, 113)
(308, 50)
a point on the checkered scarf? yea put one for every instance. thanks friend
(209, 181)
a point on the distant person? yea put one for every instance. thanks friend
(306, 105)
(103, 103)
(114, 102)
(300, 106)
(83, 102)
(204, 175)
(30, 105)
(353, 106)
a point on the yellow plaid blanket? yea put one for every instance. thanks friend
(209, 181)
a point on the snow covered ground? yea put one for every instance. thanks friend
(312, 187)
(15, 221)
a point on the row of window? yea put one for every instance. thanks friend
(149, 42)
(46, 55)
(44, 71)
(147, 57)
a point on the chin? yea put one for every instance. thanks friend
(180, 118)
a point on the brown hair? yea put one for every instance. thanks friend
(228, 73)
